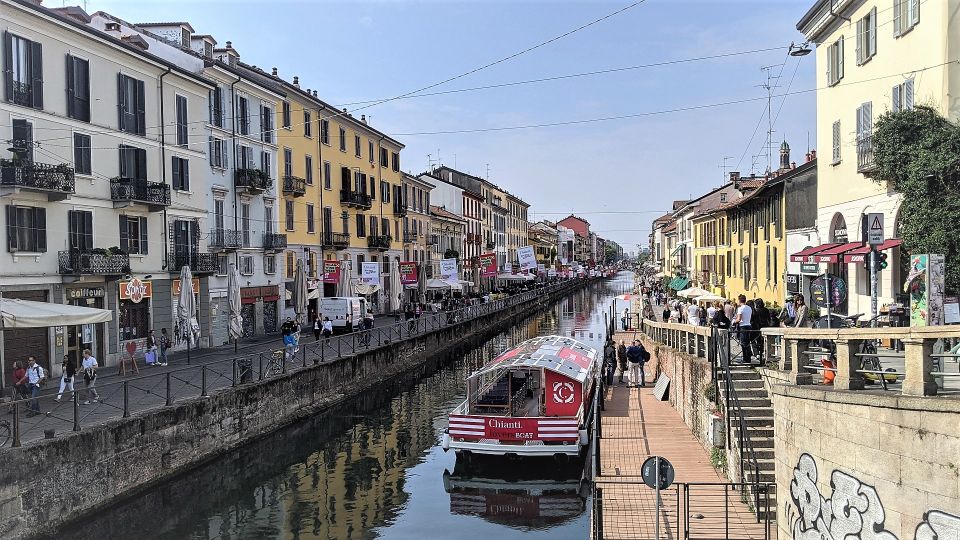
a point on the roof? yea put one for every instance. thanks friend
(752, 184)
(578, 218)
(442, 212)
(811, 14)
(181, 23)
(558, 354)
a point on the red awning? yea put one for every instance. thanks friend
(807, 254)
(859, 254)
(833, 254)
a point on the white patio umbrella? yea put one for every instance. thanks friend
(693, 292)
(299, 298)
(186, 305)
(235, 322)
(343, 288)
(396, 291)
(710, 298)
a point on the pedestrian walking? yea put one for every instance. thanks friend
(317, 328)
(288, 329)
(636, 356)
(164, 345)
(90, 366)
(693, 314)
(19, 390)
(742, 321)
(68, 369)
(150, 356)
(625, 318)
(622, 359)
(33, 379)
(327, 329)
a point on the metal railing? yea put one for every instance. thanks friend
(380, 242)
(274, 241)
(93, 262)
(865, 161)
(139, 393)
(252, 180)
(293, 185)
(336, 240)
(200, 263)
(37, 176)
(410, 238)
(355, 199)
(155, 195)
(400, 209)
(225, 239)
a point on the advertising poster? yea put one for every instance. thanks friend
(526, 258)
(370, 273)
(408, 273)
(448, 271)
(331, 272)
(488, 264)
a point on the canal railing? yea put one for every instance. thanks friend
(131, 395)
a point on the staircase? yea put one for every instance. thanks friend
(750, 398)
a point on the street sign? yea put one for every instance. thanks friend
(819, 295)
(649, 472)
(875, 229)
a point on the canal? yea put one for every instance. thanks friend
(373, 467)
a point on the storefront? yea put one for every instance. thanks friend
(19, 343)
(259, 309)
(86, 336)
(134, 313)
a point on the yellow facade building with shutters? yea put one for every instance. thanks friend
(711, 239)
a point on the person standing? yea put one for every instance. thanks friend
(68, 369)
(693, 314)
(317, 328)
(622, 359)
(90, 366)
(729, 310)
(327, 329)
(742, 320)
(19, 390)
(609, 362)
(635, 356)
(164, 345)
(33, 379)
(150, 357)
(625, 318)
(800, 308)
(760, 320)
(289, 340)
(720, 319)
(666, 314)
(711, 311)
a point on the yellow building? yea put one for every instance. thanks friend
(755, 260)
(544, 238)
(711, 240)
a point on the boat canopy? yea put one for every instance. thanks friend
(559, 354)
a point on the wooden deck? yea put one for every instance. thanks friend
(635, 425)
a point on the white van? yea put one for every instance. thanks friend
(338, 307)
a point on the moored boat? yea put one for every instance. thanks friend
(532, 400)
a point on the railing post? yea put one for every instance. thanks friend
(16, 424)
(126, 400)
(260, 367)
(847, 377)
(304, 355)
(233, 373)
(76, 411)
(796, 349)
(917, 367)
(203, 380)
(168, 388)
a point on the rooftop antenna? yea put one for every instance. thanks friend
(430, 162)
(724, 167)
(488, 172)
(439, 160)
(770, 86)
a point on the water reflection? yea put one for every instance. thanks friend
(370, 468)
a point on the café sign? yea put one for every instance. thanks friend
(135, 290)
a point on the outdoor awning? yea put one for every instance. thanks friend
(860, 254)
(807, 255)
(679, 283)
(834, 254)
(16, 313)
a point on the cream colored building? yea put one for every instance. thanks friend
(872, 57)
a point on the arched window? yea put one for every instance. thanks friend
(838, 229)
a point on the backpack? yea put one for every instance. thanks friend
(644, 354)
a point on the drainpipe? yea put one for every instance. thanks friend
(163, 167)
(233, 138)
(321, 184)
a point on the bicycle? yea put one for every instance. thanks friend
(866, 351)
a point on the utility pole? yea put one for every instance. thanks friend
(769, 86)
(873, 286)
(724, 167)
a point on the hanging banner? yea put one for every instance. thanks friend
(408, 273)
(541, 269)
(448, 271)
(331, 272)
(526, 258)
(551, 272)
(370, 273)
(488, 264)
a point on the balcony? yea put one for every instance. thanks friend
(200, 263)
(127, 191)
(225, 240)
(295, 186)
(355, 200)
(100, 262)
(274, 241)
(865, 163)
(400, 209)
(379, 242)
(409, 238)
(253, 181)
(22, 93)
(56, 181)
(336, 240)
(491, 245)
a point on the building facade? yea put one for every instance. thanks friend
(416, 224)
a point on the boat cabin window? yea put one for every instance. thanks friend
(512, 392)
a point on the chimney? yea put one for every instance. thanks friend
(274, 72)
(793, 164)
(229, 44)
(296, 81)
(813, 155)
(344, 109)
(734, 176)
(363, 118)
(113, 28)
(314, 93)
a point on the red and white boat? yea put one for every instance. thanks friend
(533, 400)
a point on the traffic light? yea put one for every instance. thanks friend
(881, 261)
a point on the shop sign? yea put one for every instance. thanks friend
(488, 264)
(175, 288)
(135, 290)
(85, 292)
(809, 268)
(370, 273)
(793, 283)
(408, 273)
(331, 271)
(821, 297)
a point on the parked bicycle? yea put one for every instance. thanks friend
(866, 351)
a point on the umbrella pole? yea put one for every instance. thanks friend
(188, 345)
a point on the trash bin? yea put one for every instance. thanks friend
(245, 369)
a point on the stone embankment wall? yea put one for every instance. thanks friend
(48, 483)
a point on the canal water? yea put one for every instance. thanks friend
(373, 468)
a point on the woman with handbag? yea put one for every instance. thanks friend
(150, 357)
(68, 371)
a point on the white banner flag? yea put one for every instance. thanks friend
(526, 258)
(448, 271)
(370, 273)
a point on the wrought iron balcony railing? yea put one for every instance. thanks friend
(491, 245)
(865, 163)
(336, 240)
(200, 263)
(125, 191)
(295, 186)
(95, 261)
(274, 241)
(380, 242)
(222, 239)
(55, 180)
(22, 93)
(400, 209)
(356, 200)
(252, 180)
(409, 238)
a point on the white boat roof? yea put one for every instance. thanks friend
(563, 355)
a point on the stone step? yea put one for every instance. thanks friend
(753, 402)
(755, 412)
(744, 375)
(760, 436)
(747, 384)
(746, 391)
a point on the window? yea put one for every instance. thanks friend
(345, 222)
(23, 71)
(291, 263)
(132, 105)
(268, 217)
(356, 146)
(80, 230)
(865, 135)
(223, 264)
(835, 62)
(78, 88)
(307, 125)
(361, 226)
(181, 174)
(243, 113)
(269, 264)
(133, 162)
(185, 38)
(246, 265)
(867, 37)
(325, 131)
(182, 124)
(216, 107)
(374, 225)
(343, 140)
(311, 223)
(23, 139)
(26, 229)
(81, 154)
(218, 214)
(906, 15)
(326, 226)
(246, 158)
(903, 96)
(326, 175)
(384, 154)
(384, 191)
(308, 167)
(836, 142)
(134, 320)
(288, 218)
(395, 161)
(286, 115)
(287, 162)
(371, 152)
(218, 153)
(245, 223)
(768, 264)
(266, 124)
(265, 163)
(385, 226)
(776, 270)
(373, 187)
(207, 49)
(133, 235)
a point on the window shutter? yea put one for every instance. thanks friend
(908, 94)
(176, 174)
(831, 55)
(872, 30)
(867, 118)
(860, 41)
(121, 103)
(36, 65)
(896, 98)
(143, 236)
(141, 163)
(859, 123)
(141, 112)
(40, 224)
(836, 142)
(12, 228)
(212, 154)
(840, 60)
(71, 86)
(185, 174)
(124, 235)
(896, 17)
(914, 12)
(8, 66)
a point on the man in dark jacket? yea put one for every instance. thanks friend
(636, 355)
(622, 360)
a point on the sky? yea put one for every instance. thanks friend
(618, 174)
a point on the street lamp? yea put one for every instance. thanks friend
(799, 50)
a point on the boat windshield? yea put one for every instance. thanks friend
(508, 392)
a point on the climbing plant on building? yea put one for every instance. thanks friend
(917, 154)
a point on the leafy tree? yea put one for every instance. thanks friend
(451, 254)
(917, 152)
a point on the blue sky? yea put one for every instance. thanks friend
(355, 51)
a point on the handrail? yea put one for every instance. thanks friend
(746, 451)
(890, 332)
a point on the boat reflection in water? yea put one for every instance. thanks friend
(531, 496)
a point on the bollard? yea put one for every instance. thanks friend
(76, 412)
(203, 380)
(168, 388)
(126, 400)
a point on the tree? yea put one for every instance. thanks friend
(451, 254)
(917, 152)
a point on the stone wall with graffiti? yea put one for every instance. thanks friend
(866, 465)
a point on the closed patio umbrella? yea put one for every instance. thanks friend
(396, 291)
(343, 288)
(299, 293)
(186, 305)
(235, 323)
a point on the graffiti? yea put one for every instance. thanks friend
(853, 510)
